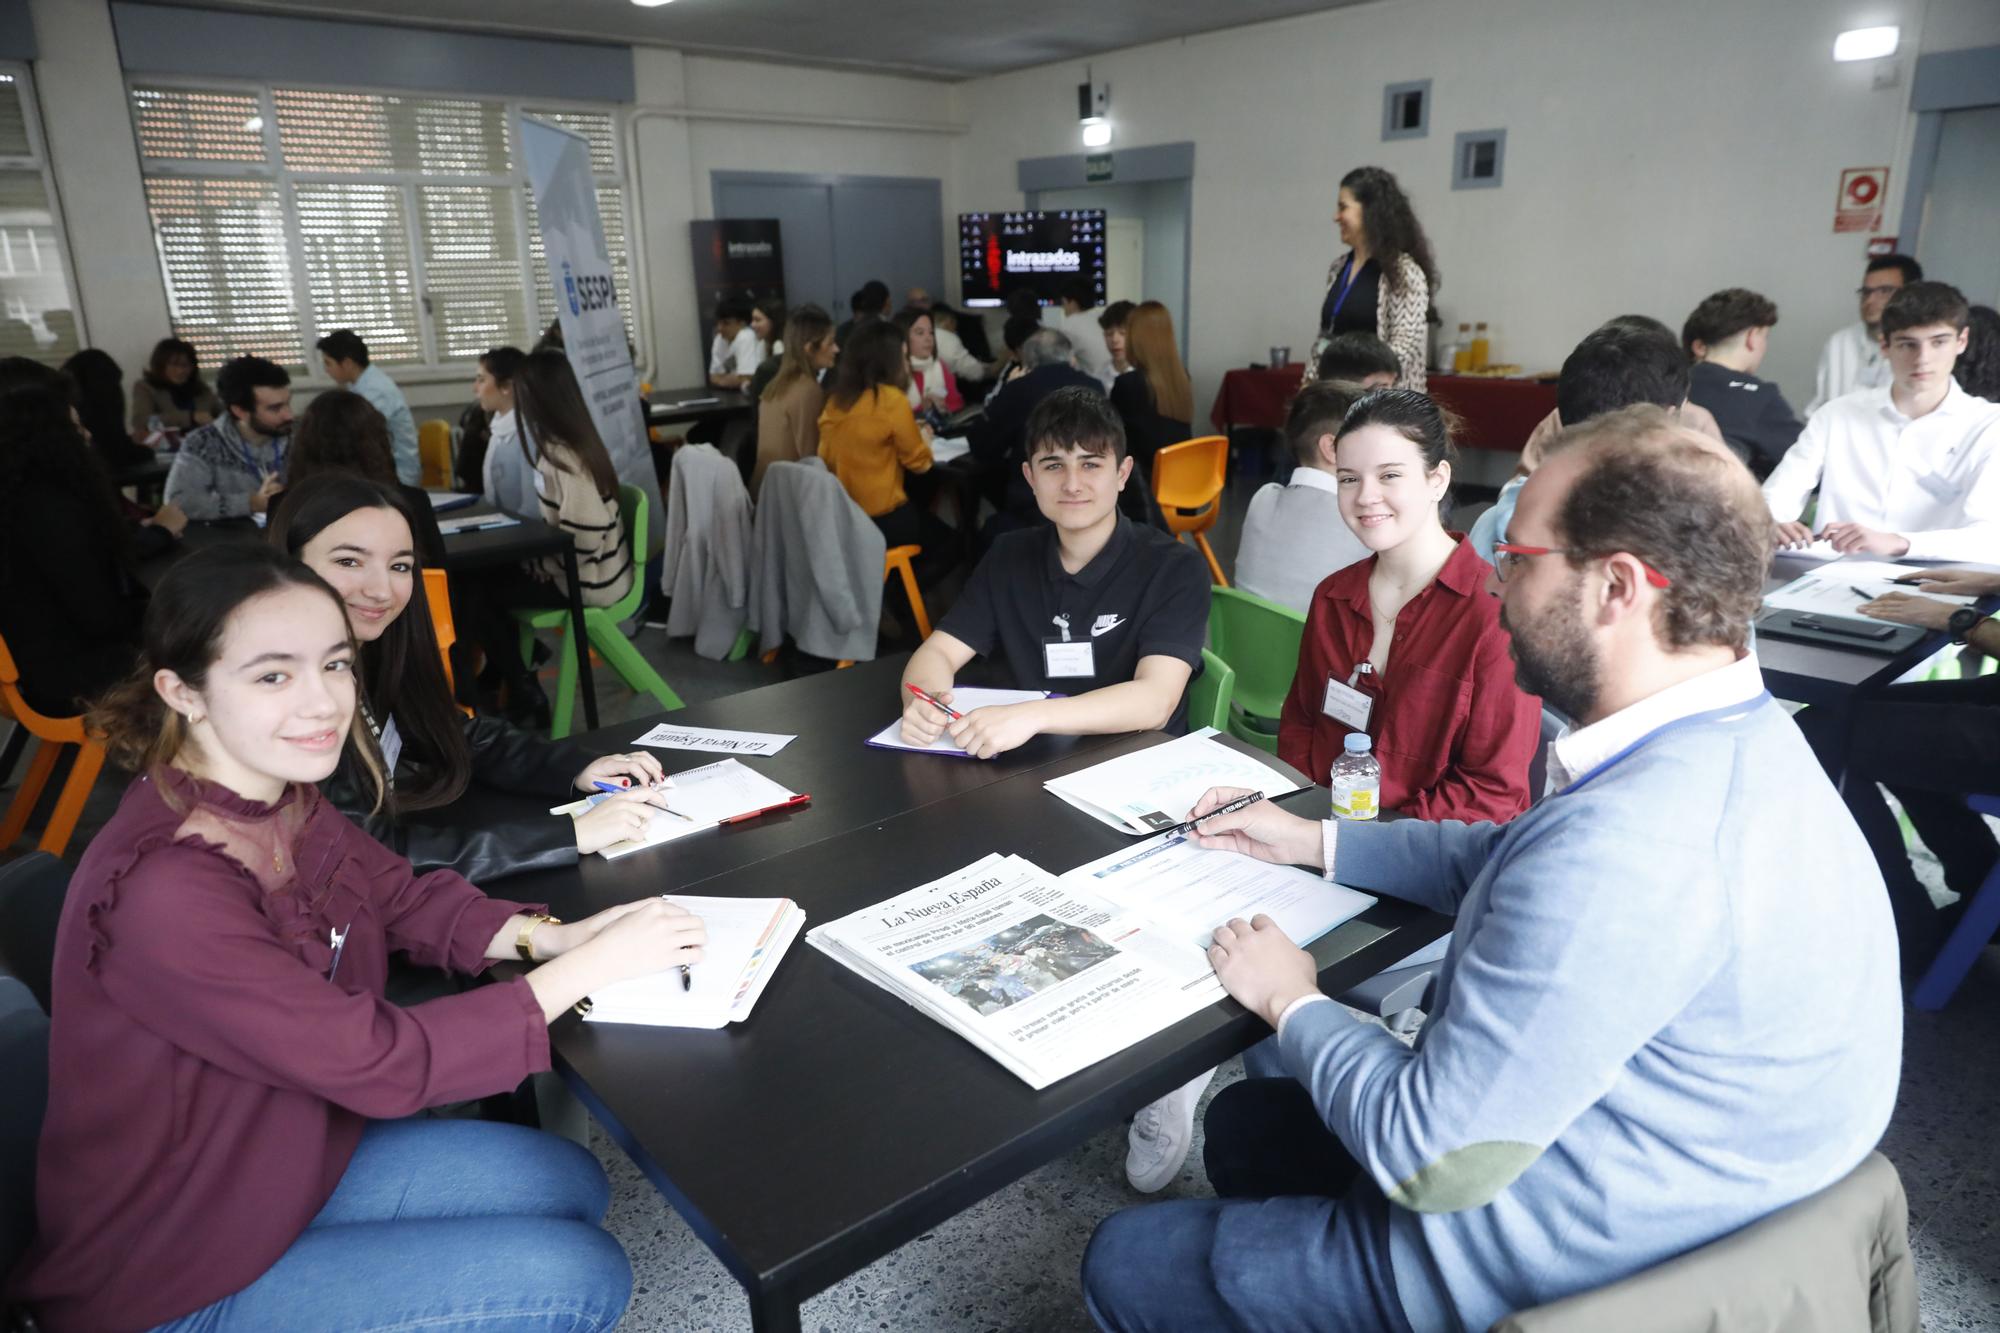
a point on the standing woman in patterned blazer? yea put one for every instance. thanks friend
(1383, 283)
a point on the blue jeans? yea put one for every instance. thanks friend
(1301, 1245)
(445, 1225)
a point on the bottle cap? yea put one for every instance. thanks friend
(1356, 743)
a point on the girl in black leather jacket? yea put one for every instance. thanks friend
(357, 535)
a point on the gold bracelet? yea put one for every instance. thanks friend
(522, 944)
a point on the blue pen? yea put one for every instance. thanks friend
(615, 789)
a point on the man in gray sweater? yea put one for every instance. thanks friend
(1669, 1006)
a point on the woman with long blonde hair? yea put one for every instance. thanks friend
(1154, 398)
(788, 409)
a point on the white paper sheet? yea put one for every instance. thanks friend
(1148, 790)
(950, 448)
(964, 699)
(666, 736)
(706, 795)
(1840, 587)
(476, 523)
(746, 937)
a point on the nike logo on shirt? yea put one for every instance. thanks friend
(1105, 624)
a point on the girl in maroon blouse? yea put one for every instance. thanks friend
(1407, 645)
(223, 1147)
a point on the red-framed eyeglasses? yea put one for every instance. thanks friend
(1509, 554)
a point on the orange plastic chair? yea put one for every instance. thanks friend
(53, 733)
(437, 591)
(434, 452)
(1190, 475)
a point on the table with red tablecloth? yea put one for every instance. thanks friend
(1496, 413)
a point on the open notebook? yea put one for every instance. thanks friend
(699, 798)
(964, 699)
(746, 938)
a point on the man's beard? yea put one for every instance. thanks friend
(1555, 659)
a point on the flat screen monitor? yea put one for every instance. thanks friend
(1002, 253)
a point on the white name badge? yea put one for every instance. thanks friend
(1347, 705)
(392, 746)
(1068, 660)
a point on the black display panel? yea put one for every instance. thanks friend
(1001, 253)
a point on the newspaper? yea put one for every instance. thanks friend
(1048, 976)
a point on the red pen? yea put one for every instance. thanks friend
(939, 704)
(796, 801)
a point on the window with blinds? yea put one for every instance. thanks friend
(37, 307)
(285, 213)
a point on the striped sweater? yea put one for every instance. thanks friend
(570, 501)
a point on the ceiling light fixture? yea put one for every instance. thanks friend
(1866, 43)
(1096, 132)
(651, 4)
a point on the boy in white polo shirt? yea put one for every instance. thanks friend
(1902, 470)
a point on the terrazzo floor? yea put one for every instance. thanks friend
(1010, 1262)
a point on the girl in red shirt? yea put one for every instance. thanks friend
(1407, 645)
(225, 1144)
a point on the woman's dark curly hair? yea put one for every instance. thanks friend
(1978, 368)
(1392, 226)
(40, 445)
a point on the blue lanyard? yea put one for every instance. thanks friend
(249, 457)
(1343, 285)
(1691, 720)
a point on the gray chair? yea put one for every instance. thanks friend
(24, 1073)
(1835, 1262)
(32, 888)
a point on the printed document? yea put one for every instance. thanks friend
(746, 938)
(1153, 789)
(667, 736)
(1837, 588)
(1048, 976)
(964, 699)
(706, 796)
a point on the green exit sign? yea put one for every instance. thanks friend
(1097, 167)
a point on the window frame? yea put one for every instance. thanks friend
(432, 368)
(23, 75)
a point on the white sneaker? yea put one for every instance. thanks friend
(1161, 1135)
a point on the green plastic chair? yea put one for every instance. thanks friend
(1259, 639)
(600, 624)
(1208, 698)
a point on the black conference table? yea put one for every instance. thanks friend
(698, 403)
(464, 553)
(837, 1122)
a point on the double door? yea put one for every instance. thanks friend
(840, 231)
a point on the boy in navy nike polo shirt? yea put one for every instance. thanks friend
(1107, 613)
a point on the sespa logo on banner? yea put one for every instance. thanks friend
(593, 328)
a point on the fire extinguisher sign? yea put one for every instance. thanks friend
(1859, 207)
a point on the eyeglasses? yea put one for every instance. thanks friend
(1508, 555)
(1886, 290)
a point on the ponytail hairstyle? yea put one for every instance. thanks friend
(805, 328)
(556, 422)
(184, 625)
(1416, 418)
(402, 671)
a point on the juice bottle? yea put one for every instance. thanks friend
(1461, 355)
(1481, 347)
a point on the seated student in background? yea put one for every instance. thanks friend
(233, 1136)
(1902, 470)
(953, 349)
(1932, 743)
(355, 534)
(506, 476)
(1728, 335)
(767, 321)
(171, 394)
(869, 302)
(1293, 535)
(1155, 398)
(933, 390)
(100, 406)
(1978, 368)
(70, 596)
(733, 354)
(999, 438)
(1108, 613)
(788, 412)
(1359, 358)
(1113, 319)
(231, 467)
(345, 357)
(1080, 320)
(1626, 361)
(1669, 1005)
(342, 432)
(1406, 645)
(1852, 358)
(868, 438)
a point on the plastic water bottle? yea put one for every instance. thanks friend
(1356, 780)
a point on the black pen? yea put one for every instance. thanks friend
(687, 978)
(1862, 593)
(1228, 808)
